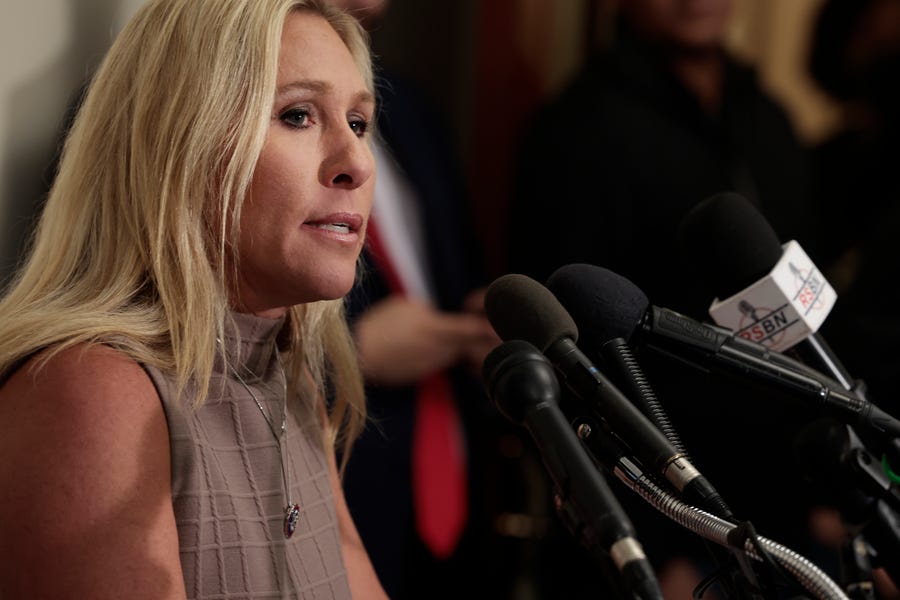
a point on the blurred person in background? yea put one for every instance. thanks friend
(416, 483)
(655, 123)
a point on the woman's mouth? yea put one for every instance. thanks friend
(344, 226)
(338, 222)
(336, 227)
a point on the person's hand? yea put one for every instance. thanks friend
(400, 341)
(474, 302)
(480, 345)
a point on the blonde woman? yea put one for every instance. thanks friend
(166, 348)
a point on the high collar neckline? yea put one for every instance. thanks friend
(251, 343)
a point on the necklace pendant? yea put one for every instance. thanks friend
(291, 518)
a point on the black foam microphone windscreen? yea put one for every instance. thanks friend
(730, 240)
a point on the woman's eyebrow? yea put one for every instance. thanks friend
(309, 85)
(321, 87)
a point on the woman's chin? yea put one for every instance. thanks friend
(333, 288)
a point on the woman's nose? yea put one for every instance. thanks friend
(349, 162)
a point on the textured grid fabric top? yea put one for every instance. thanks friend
(227, 484)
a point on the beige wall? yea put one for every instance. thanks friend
(48, 47)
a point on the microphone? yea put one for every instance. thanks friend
(614, 352)
(742, 255)
(521, 383)
(611, 306)
(765, 291)
(519, 307)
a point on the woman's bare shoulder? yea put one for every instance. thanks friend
(86, 390)
(85, 483)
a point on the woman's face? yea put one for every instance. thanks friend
(303, 223)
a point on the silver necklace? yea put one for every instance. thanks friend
(291, 510)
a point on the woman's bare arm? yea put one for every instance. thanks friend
(364, 584)
(85, 491)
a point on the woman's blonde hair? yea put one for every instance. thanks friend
(133, 246)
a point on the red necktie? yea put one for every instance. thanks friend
(439, 481)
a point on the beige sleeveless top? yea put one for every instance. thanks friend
(227, 483)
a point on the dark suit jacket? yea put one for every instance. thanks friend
(377, 482)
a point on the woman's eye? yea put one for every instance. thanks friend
(359, 126)
(296, 117)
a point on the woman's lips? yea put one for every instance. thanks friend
(342, 227)
(344, 223)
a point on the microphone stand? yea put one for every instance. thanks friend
(879, 535)
(627, 374)
(882, 524)
(740, 538)
(856, 569)
(816, 352)
(568, 512)
(875, 541)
